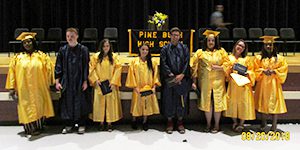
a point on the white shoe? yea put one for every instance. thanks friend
(81, 129)
(66, 130)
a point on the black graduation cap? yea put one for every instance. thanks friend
(105, 87)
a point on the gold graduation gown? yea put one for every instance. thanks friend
(106, 106)
(140, 76)
(240, 99)
(31, 76)
(210, 80)
(268, 90)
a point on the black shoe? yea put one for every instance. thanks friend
(134, 125)
(101, 127)
(145, 126)
(110, 128)
(35, 133)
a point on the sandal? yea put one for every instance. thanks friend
(263, 129)
(234, 125)
(206, 130)
(239, 128)
(215, 130)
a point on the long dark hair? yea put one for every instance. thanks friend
(245, 52)
(109, 53)
(217, 43)
(34, 45)
(265, 54)
(148, 57)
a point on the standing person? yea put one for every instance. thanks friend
(208, 67)
(143, 77)
(174, 67)
(216, 18)
(240, 100)
(71, 74)
(105, 65)
(29, 78)
(271, 72)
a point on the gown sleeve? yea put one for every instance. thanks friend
(131, 79)
(281, 71)
(250, 71)
(164, 68)
(257, 68)
(93, 77)
(117, 73)
(156, 74)
(195, 62)
(11, 78)
(59, 65)
(49, 69)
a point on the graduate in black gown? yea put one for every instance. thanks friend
(71, 77)
(176, 81)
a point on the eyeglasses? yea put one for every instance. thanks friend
(243, 46)
(175, 34)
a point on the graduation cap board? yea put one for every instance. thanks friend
(268, 39)
(211, 32)
(26, 35)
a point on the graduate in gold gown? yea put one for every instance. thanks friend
(29, 78)
(208, 67)
(143, 77)
(240, 100)
(271, 72)
(105, 65)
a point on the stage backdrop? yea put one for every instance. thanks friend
(133, 14)
(156, 40)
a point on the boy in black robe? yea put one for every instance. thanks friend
(176, 81)
(71, 77)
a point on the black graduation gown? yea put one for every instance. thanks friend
(175, 59)
(72, 68)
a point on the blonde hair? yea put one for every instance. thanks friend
(72, 30)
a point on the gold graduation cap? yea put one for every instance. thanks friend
(26, 35)
(269, 39)
(209, 32)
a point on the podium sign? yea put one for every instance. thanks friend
(156, 40)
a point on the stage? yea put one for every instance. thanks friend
(291, 91)
(155, 138)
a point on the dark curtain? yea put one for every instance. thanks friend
(127, 14)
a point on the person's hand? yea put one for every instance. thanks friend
(267, 72)
(216, 67)
(178, 78)
(98, 83)
(194, 86)
(153, 89)
(137, 90)
(84, 85)
(12, 94)
(112, 86)
(58, 86)
(231, 68)
(272, 72)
